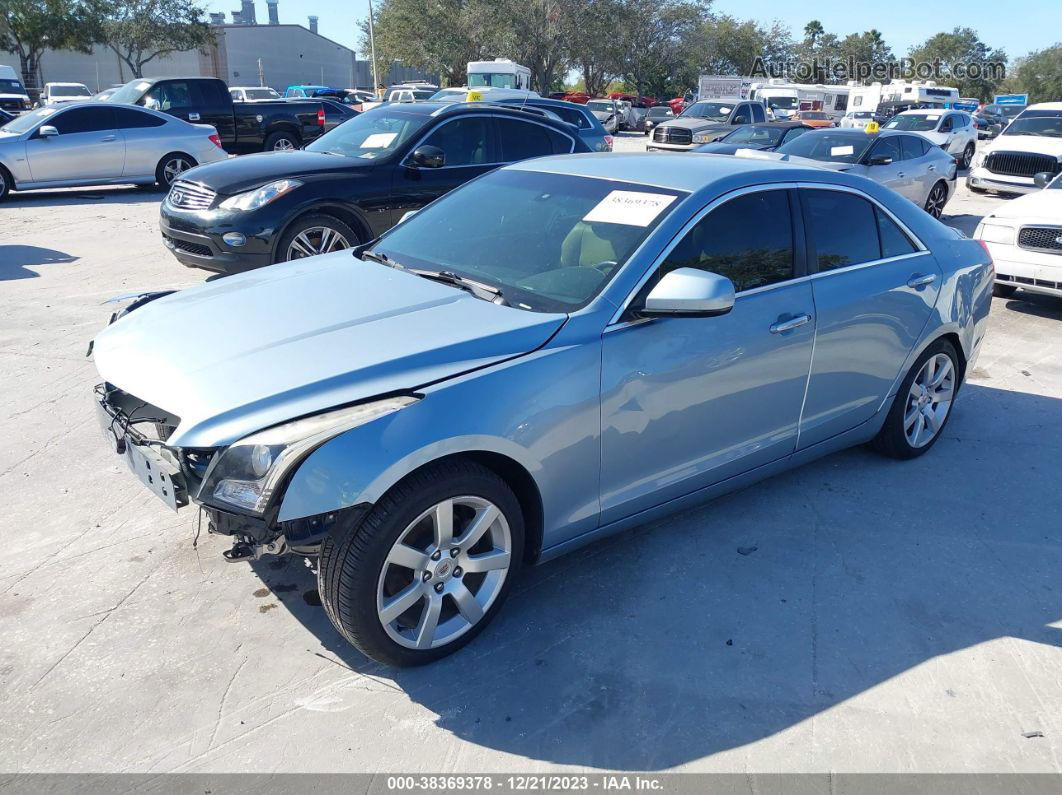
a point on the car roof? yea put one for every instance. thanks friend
(687, 172)
(774, 125)
(1043, 106)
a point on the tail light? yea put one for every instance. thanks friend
(215, 139)
(320, 117)
(988, 253)
(608, 143)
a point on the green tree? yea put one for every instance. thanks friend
(596, 49)
(139, 31)
(952, 54)
(868, 47)
(29, 27)
(1038, 74)
(656, 36)
(812, 31)
(538, 34)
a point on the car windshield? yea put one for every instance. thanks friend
(756, 134)
(915, 122)
(492, 231)
(260, 93)
(130, 92)
(1011, 110)
(370, 136)
(835, 147)
(69, 91)
(27, 121)
(493, 79)
(782, 103)
(814, 115)
(11, 87)
(862, 114)
(659, 112)
(713, 111)
(449, 94)
(1042, 126)
(607, 107)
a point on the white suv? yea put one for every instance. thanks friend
(951, 130)
(1030, 145)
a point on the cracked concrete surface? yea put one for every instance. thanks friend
(894, 617)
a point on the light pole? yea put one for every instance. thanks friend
(372, 51)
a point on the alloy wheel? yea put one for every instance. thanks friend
(929, 400)
(283, 145)
(174, 168)
(935, 203)
(444, 572)
(316, 240)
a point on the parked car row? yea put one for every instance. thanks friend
(701, 323)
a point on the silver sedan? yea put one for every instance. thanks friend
(98, 143)
(909, 163)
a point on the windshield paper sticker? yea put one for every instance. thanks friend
(378, 140)
(840, 151)
(628, 207)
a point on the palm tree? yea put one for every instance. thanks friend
(812, 31)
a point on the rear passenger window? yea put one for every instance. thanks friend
(912, 147)
(128, 119)
(757, 113)
(842, 227)
(521, 140)
(894, 241)
(749, 240)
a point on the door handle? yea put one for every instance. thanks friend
(931, 168)
(900, 174)
(782, 326)
(921, 281)
(109, 138)
(193, 117)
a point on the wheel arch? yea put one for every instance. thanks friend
(344, 213)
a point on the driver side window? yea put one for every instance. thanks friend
(465, 142)
(748, 239)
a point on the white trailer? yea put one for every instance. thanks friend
(499, 73)
(920, 92)
(787, 98)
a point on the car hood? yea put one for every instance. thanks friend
(246, 352)
(1039, 144)
(1044, 205)
(722, 148)
(237, 174)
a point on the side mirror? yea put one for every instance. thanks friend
(879, 160)
(689, 292)
(428, 157)
(1042, 178)
(47, 131)
(741, 120)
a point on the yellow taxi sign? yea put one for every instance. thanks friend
(474, 96)
(872, 128)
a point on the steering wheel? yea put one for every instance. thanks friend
(606, 266)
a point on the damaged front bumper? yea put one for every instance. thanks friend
(138, 431)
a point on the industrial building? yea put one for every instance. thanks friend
(245, 53)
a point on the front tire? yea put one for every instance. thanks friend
(171, 167)
(315, 234)
(427, 568)
(967, 156)
(1003, 290)
(922, 406)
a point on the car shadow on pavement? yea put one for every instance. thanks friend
(1034, 304)
(735, 621)
(67, 197)
(965, 223)
(15, 261)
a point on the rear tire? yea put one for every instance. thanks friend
(922, 406)
(1003, 290)
(171, 167)
(938, 197)
(388, 563)
(6, 183)
(281, 142)
(315, 234)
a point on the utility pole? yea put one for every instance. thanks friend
(372, 51)
(261, 73)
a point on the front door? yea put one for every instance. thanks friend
(874, 293)
(87, 147)
(688, 402)
(469, 144)
(897, 174)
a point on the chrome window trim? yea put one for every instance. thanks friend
(487, 114)
(615, 322)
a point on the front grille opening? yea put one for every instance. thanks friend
(198, 249)
(190, 195)
(1041, 238)
(138, 417)
(1020, 164)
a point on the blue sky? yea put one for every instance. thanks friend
(1024, 25)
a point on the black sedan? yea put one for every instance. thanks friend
(350, 185)
(765, 137)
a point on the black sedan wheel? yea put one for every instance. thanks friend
(938, 197)
(315, 234)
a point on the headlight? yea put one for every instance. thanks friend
(702, 138)
(253, 199)
(979, 158)
(996, 233)
(246, 474)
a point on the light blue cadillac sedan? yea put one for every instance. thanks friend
(556, 351)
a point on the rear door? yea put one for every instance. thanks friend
(874, 286)
(897, 174)
(88, 146)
